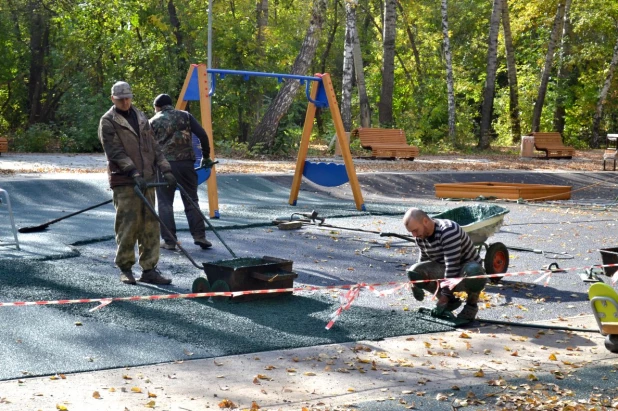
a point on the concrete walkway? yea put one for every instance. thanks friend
(473, 366)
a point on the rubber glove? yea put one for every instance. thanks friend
(139, 182)
(207, 163)
(170, 180)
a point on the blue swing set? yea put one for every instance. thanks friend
(320, 94)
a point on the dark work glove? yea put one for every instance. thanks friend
(140, 182)
(170, 180)
(207, 163)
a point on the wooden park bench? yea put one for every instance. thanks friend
(4, 145)
(385, 142)
(551, 144)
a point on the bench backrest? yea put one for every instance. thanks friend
(373, 136)
(4, 145)
(545, 139)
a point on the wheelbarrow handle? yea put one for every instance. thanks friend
(167, 230)
(403, 237)
(149, 185)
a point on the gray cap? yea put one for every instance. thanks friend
(122, 89)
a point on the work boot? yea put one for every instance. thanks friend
(418, 293)
(453, 304)
(126, 276)
(153, 276)
(202, 242)
(469, 312)
(168, 246)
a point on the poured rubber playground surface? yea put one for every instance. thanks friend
(73, 259)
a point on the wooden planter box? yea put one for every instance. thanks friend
(512, 191)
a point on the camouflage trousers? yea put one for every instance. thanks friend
(135, 224)
(429, 270)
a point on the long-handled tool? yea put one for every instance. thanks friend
(186, 195)
(238, 274)
(42, 227)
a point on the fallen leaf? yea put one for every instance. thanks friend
(226, 404)
(464, 335)
(150, 404)
(479, 374)
(61, 407)
(96, 395)
(309, 374)
(552, 357)
(136, 389)
(152, 395)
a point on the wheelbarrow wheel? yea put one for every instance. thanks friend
(611, 343)
(496, 260)
(200, 285)
(218, 287)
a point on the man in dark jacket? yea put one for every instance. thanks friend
(173, 131)
(446, 253)
(133, 157)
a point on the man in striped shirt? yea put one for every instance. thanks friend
(446, 251)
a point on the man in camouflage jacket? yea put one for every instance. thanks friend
(133, 157)
(173, 131)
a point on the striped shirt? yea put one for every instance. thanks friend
(449, 245)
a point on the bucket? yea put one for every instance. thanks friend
(609, 256)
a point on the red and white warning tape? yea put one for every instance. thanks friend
(346, 299)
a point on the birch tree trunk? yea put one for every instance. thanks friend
(449, 74)
(512, 74)
(598, 115)
(538, 104)
(261, 11)
(267, 128)
(348, 66)
(385, 109)
(490, 80)
(564, 69)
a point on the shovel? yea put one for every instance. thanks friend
(42, 227)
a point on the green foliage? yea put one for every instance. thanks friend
(92, 44)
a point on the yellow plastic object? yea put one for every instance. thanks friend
(604, 303)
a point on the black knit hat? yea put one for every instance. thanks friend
(162, 100)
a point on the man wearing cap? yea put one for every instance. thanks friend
(446, 252)
(133, 157)
(173, 131)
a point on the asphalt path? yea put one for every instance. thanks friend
(74, 259)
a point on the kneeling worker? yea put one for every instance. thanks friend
(173, 131)
(446, 251)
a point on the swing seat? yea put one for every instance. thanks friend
(326, 174)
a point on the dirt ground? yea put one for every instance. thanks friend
(584, 160)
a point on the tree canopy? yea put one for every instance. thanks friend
(60, 58)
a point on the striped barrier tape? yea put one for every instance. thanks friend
(346, 299)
